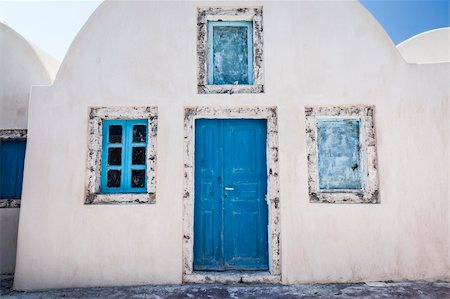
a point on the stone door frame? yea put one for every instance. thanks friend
(273, 194)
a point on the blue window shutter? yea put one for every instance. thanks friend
(107, 148)
(12, 156)
(118, 164)
(339, 164)
(136, 170)
(230, 53)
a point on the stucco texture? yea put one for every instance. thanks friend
(315, 53)
(21, 66)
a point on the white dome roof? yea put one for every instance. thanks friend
(21, 66)
(428, 47)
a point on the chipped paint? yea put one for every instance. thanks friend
(96, 117)
(273, 186)
(253, 14)
(367, 143)
(10, 135)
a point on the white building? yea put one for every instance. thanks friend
(428, 47)
(21, 65)
(181, 140)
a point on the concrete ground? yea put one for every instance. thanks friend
(354, 290)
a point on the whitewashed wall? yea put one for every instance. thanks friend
(315, 53)
(21, 65)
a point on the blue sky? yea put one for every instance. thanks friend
(403, 19)
(52, 25)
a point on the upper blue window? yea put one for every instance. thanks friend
(12, 156)
(230, 53)
(124, 156)
(338, 154)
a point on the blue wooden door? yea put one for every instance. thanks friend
(12, 155)
(230, 222)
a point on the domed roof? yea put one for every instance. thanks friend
(428, 47)
(22, 65)
(137, 42)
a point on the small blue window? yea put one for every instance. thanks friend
(124, 156)
(230, 53)
(12, 156)
(338, 154)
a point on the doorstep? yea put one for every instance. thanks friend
(251, 277)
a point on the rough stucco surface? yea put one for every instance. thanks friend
(138, 62)
(20, 67)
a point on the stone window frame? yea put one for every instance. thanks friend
(205, 14)
(273, 194)
(11, 135)
(368, 154)
(96, 117)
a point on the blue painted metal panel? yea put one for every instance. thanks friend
(230, 53)
(230, 223)
(12, 156)
(338, 154)
(124, 152)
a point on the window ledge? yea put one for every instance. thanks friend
(344, 197)
(230, 89)
(122, 198)
(9, 203)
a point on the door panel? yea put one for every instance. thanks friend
(245, 212)
(208, 249)
(230, 185)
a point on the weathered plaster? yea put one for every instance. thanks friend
(96, 117)
(9, 203)
(253, 14)
(13, 135)
(368, 154)
(10, 135)
(273, 186)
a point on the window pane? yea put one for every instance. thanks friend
(338, 154)
(138, 156)
(113, 178)
(138, 178)
(139, 133)
(115, 156)
(115, 134)
(230, 55)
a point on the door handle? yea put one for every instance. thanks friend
(229, 188)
